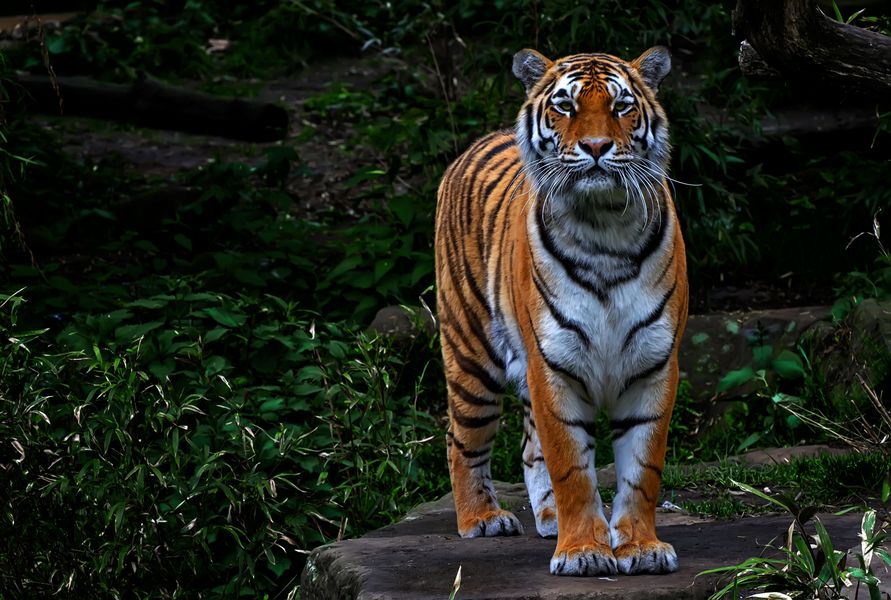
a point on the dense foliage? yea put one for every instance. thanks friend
(190, 400)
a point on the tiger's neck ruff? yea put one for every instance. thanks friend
(561, 271)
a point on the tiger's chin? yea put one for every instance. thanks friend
(600, 188)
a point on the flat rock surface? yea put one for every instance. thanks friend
(419, 557)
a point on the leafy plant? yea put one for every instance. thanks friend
(197, 441)
(804, 569)
(761, 379)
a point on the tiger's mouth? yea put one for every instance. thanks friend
(595, 179)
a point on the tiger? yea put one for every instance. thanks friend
(561, 272)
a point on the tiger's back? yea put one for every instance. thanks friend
(553, 277)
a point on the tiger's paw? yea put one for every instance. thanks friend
(546, 522)
(589, 560)
(646, 557)
(490, 524)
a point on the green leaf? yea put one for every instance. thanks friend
(404, 207)
(736, 378)
(788, 365)
(162, 370)
(56, 44)
(214, 365)
(751, 439)
(838, 15)
(183, 241)
(224, 317)
(280, 566)
(868, 524)
(762, 495)
(347, 264)
(129, 333)
(699, 338)
(272, 406)
(215, 334)
(761, 356)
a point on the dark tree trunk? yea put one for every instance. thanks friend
(794, 38)
(150, 103)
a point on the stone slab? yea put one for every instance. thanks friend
(419, 557)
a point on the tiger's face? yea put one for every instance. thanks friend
(591, 125)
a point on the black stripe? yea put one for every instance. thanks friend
(499, 259)
(651, 318)
(479, 166)
(656, 236)
(567, 263)
(622, 426)
(539, 113)
(481, 463)
(546, 495)
(665, 270)
(477, 327)
(651, 467)
(473, 422)
(527, 139)
(640, 489)
(646, 117)
(534, 460)
(649, 371)
(452, 255)
(469, 397)
(562, 320)
(590, 427)
(475, 453)
(495, 151)
(451, 321)
(554, 366)
(484, 190)
(572, 470)
(496, 179)
(473, 368)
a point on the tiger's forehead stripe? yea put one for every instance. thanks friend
(576, 85)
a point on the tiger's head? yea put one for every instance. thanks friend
(591, 125)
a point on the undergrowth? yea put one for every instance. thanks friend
(196, 442)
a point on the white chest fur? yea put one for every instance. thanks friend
(603, 319)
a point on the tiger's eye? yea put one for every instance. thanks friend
(565, 105)
(620, 106)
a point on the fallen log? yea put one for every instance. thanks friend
(148, 102)
(796, 39)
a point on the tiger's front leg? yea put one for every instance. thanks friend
(474, 409)
(640, 430)
(565, 422)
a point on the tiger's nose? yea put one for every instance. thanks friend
(596, 147)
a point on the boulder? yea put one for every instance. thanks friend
(402, 323)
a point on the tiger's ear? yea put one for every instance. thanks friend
(653, 66)
(529, 66)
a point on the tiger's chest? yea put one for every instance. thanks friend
(597, 315)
